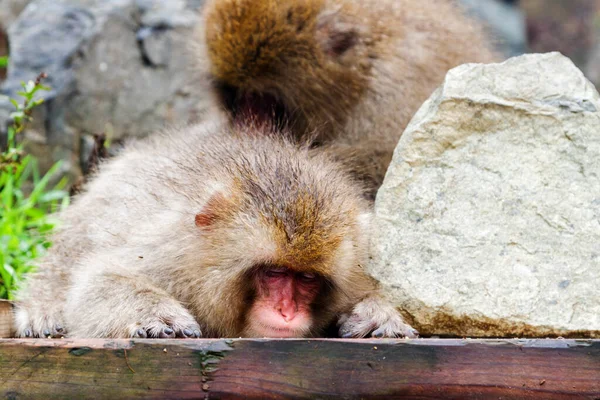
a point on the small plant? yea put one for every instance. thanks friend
(26, 202)
(3, 61)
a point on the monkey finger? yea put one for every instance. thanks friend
(163, 332)
(190, 333)
(53, 333)
(378, 333)
(58, 331)
(140, 333)
(385, 332)
(412, 333)
(167, 333)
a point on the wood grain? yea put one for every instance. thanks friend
(6, 319)
(278, 369)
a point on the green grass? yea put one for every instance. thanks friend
(26, 200)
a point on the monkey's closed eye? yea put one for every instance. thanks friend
(276, 273)
(306, 277)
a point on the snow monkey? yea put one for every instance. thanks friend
(210, 231)
(351, 73)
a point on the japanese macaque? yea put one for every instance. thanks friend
(350, 73)
(214, 232)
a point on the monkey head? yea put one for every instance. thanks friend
(303, 64)
(283, 241)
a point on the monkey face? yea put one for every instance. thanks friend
(283, 302)
(283, 236)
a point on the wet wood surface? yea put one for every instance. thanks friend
(294, 368)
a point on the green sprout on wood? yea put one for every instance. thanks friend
(26, 201)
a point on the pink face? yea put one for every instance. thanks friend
(282, 307)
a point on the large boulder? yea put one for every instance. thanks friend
(120, 67)
(488, 222)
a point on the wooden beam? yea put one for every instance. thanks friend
(294, 368)
(6, 319)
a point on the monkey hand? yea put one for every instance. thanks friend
(168, 319)
(374, 317)
(36, 321)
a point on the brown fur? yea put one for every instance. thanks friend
(164, 238)
(353, 71)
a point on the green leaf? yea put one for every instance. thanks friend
(26, 201)
(53, 195)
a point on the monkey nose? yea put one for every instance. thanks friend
(288, 312)
(287, 317)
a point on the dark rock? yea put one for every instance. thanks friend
(117, 67)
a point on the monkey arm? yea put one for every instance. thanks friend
(109, 300)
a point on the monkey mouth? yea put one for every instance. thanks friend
(274, 329)
(247, 107)
(274, 332)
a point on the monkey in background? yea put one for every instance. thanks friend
(208, 232)
(350, 72)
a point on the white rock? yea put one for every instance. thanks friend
(488, 222)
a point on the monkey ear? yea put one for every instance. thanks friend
(335, 35)
(217, 208)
